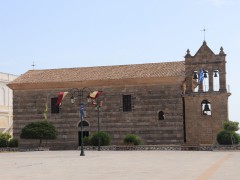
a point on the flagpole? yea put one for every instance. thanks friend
(99, 149)
(81, 118)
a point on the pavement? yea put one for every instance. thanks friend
(120, 165)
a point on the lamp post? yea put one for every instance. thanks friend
(98, 108)
(79, 93)
(92, 97)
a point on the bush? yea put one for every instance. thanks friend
(228, 138)
(132, 139)
(4, 138)
(39, 130)
(231, 126)
(13, 142)
(86, 141)
(105, 139)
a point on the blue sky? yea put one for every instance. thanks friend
(76, 33)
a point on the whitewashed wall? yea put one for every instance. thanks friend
(6, 99)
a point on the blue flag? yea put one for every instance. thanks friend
(201, 76)
(82, 111)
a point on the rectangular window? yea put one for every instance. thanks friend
(54, 106)
(127, 103)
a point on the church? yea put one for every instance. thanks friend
(169, 103)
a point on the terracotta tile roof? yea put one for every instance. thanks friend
(166, 69)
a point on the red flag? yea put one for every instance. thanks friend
(61, 96)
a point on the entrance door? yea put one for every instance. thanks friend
(85, 134)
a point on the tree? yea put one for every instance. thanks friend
(229, 136)
(39, 130)
(7, 141)
(4, 139)
(231, 126)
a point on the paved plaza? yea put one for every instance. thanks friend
(114, 165)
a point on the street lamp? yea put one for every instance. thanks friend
(92, 97)
(79, 93)
(98, 105)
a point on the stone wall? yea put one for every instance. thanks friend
(143, 120)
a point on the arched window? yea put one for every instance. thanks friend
(216, 82)
(206, 108)
(161, 115)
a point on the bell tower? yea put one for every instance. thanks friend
(206, 95)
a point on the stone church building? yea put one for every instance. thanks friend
(183, 102)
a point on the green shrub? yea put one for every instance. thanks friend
(4, 138)
(39, 130)
(231, 126)
(86, 141)
(132, 139)
(105, 138)
(13, 142)
(228, 138)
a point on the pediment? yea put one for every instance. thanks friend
(204, 50)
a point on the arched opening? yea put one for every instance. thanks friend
(206, 108)
(216, 80)
(195, 87)
(205, 81)
(161, 115)
(85, 126)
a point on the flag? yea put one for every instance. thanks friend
(95, 94)
(201, 76)
(82, 111)
(61, 96)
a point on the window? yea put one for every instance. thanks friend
(54, 106)
(161, 115)
(206, 108)
(127, 102)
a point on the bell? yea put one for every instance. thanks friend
(206, 108)
(215, 73)
(195, 75)
(205, 74)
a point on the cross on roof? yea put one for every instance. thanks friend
(33, 65)
(204, 30)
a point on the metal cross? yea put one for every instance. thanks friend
(204, 30)
(33, 65)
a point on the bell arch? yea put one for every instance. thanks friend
(205, 81)
(206, 108)
(216, 80)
